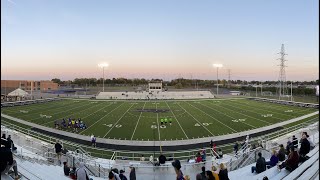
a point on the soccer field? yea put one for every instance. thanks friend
(141, 120)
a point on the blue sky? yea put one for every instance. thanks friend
(44, 39)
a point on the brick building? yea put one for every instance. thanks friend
(27, 85)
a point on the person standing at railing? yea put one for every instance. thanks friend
(58, 148)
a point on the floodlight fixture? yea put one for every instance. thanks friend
(218, 65)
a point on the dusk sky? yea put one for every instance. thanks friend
(45, 39)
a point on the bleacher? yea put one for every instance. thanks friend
(33, 163)
(156, 95)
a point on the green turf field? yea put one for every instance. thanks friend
(131, 120)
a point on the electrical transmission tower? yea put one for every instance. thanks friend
(282, 89)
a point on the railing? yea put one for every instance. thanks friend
(130, 155)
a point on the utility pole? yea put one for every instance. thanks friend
(261, 88)
(229, 78)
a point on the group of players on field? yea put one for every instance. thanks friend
(72, 123)
(165, 121)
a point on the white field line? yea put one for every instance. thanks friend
(118, 121)
(138, 121)
(177, 120)
(251, 116)
(101, 118)
(196, 120)
(268, 107)
(227, 115)
(213, 117)
(87, 109)
(62, 111)
(158, 122)
(40, 109)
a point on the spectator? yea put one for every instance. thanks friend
(203, 154)
(115, 172)
(73, 173)
(198, 158)
(111, 176)
(209, 175)
(220, 154)
(151, 159)
(292, 162)
(122, 176)
(162, 159)
(260, 165)
(215, 172)
(236, 148)
(273, 160)
(198, 177)
(58, 149)
(211, 144)
(304, 148)
(7, 162)
(93, 141)
(265, 178)
(177, 166)
(142, 158)
(3, 136)
(203, 173)
(289, 144)
(10, 143)
(223, 172)
(187, 177)
(294, 141)
(281, 153)
(312, 145)
(66, 169)
(81, 173)
(4, 140)
(132, 174)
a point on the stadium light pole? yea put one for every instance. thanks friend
(103, 65)
(218, 66)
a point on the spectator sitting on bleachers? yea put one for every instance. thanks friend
(209, 175)
(312, 145)
(281, 153)
(7, 162)
(223, 172)
(203, 154)
(294, 141)
(66, 169)
(220, 154)
(198, 177)
(215, 172)
(289, 144)
(122, 176)
(273, 160)
(132, 174)
(198, 158)
(203, 173)
(304, 148)
(142, 158)
(73, 173)
(292, 162)
(81, 173)
(260, 165)
(3, 136)
(177, 166)
(162, 160)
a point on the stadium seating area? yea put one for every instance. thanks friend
(156, 95)
(36, 160)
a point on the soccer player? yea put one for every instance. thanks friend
(161, 121)
(165, 120)
(170, 121)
